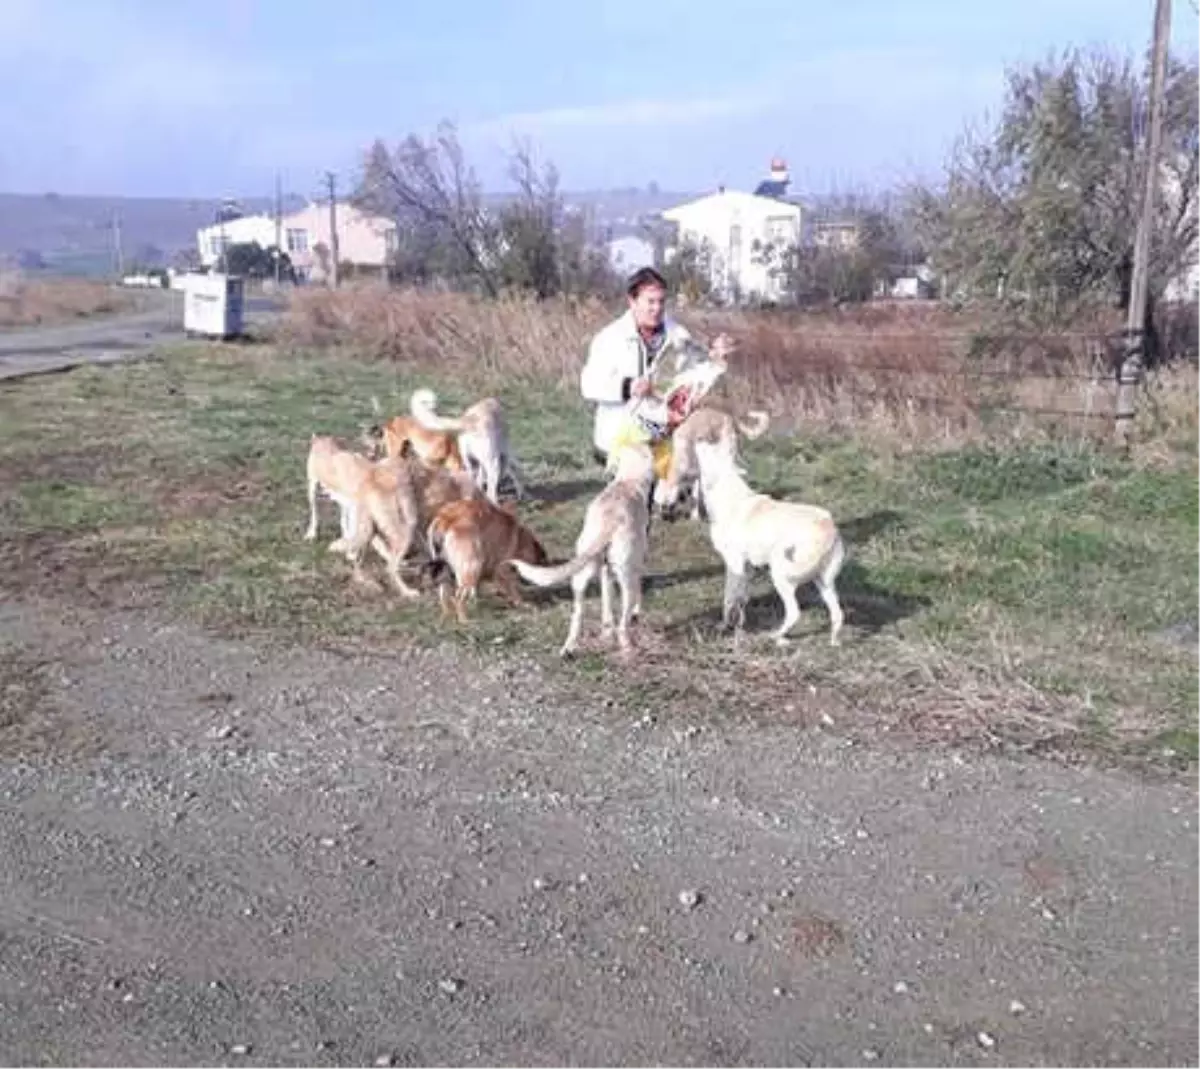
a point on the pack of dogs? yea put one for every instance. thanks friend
(428, 485)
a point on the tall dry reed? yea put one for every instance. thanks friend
(28, 301)
(913, 373)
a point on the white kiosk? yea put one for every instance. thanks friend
(213, 305)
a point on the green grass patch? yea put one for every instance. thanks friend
(1019, 594)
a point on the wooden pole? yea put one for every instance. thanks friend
(1133, 361)
(331, 181)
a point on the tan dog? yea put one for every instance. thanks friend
(475, 540)
(482, 439)
(715, 426)
(798, 543)
(383, 503)
(612, 544)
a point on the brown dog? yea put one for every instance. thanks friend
(475, 539)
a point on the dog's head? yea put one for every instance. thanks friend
(675, 497)
(371, 438)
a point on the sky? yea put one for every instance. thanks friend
(181, 98)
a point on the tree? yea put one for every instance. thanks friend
(689, 271)
(1039, 210)
(444, 233)
(435, 199)
(251, 260)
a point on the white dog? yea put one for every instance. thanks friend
(713, 425)
(612, 544)
(798, 543)
(482, 439)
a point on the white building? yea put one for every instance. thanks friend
(731, 229)
(212, 241)
(627, 254)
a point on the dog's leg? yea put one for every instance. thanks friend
(785, 588)
(606, 606)
(311, 533)
(467, 586)
(394, 561)
(491, 474)
(627, 581)
(733, 617)
(829, 595)
(579, 585)
(825, 584)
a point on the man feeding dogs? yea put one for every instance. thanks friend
(627, 358)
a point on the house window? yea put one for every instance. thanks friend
(735, 242)
(390, 243)
(297, 240)
(779, 230)
(217, 245)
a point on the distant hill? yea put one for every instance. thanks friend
(74, 235)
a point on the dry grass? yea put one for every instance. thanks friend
(26, 302)
(902, 374)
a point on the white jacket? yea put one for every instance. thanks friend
(617, 356)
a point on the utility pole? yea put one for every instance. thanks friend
(278, 230)
(1133, 361)
(331, 182)
(118, 255)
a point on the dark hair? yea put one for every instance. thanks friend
(643, 278)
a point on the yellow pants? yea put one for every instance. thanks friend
(630, 434)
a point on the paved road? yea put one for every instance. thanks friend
(105, 339)
(222, 852)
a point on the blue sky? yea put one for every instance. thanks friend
(175, 97)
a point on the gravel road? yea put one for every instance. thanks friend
(226, 852)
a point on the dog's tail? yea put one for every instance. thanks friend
(560, 573)
(423, 406)
(757, 426)
(434, 536)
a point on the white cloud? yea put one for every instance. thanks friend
(623, 113)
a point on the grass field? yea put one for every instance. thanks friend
(1021, 597)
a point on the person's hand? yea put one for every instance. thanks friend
(640, 388)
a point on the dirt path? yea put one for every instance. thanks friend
(218, 852)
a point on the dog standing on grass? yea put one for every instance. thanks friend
(476, 540)
(712, 425)
(612, 545)
(798, 543)
(482, 440)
